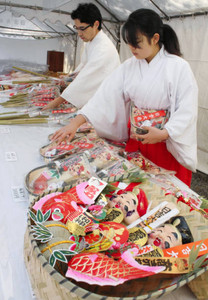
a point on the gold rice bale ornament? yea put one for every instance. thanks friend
(54, 245)
(57, 250)
(58, 229)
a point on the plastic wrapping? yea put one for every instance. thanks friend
(145, 164)
(62, 120)
(119, 168)
(58, 175)
(43, 94)
(101, 157)
(6, 66)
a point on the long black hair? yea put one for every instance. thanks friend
(148, 22)
(87, 13)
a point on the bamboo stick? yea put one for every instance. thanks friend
(32, 81)
(28, 71)
(34, 73)
(8, 113)
(24, 121)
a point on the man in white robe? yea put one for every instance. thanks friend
(99, 59)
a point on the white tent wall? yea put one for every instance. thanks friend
(193, 37)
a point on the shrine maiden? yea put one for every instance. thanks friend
(98, 60)
(156, 77)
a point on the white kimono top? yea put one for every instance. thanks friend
(99, 59)
(167, 82)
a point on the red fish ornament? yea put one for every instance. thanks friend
(97, 268)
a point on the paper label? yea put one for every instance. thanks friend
(171, 264)
(10, 156)
(84, 145)
(185, 249)
(156, 217)
(67, 110)
(149, 116)
(145, 249)
(18, 193)
(94, 188)
(64, 147)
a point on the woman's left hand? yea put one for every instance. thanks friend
(69, 130)
(154, 135)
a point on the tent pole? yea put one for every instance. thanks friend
(113, 36)
(59, 33)
(202, 13)
(166, 16)
(75, 51)
(106, 9)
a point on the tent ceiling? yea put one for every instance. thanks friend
(166, 8)
(48, 19)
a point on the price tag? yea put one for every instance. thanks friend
(10, 156)
(18, 193)
(5, 130)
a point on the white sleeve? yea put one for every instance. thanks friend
(108, 110)
(100, 63)
(183, 120)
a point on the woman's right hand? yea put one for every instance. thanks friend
(53, 104)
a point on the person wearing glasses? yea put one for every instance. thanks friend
(99, 59)
(157, 78)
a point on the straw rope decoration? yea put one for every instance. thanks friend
(50, 284)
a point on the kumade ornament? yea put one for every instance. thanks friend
(58, 175)
(54, 150)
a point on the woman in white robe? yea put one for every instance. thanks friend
(155, 78)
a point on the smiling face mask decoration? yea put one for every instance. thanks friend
(132, 204)
(171, 234)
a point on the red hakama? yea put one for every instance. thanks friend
(159, 155)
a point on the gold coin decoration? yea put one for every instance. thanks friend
(138, 236)
(114, 215)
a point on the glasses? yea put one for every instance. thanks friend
(81, 28)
